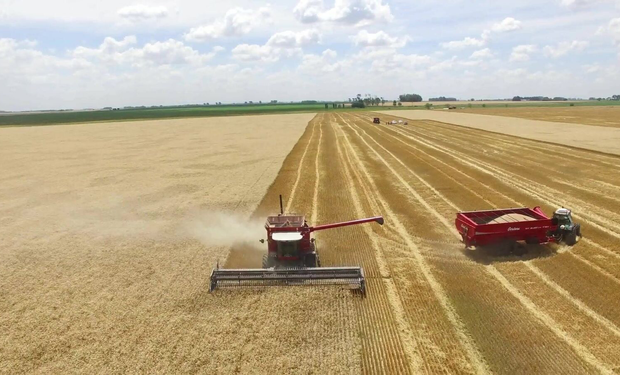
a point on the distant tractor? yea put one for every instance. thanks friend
(376, 120)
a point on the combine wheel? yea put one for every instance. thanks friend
(267, 262)
(311, 260)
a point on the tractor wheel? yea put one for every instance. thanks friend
(571, 238)
(578, 229)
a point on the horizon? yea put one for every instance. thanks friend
(120, 54)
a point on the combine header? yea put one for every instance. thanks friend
(292, 258)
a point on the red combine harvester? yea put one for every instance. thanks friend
(508, 226)
(292, 257)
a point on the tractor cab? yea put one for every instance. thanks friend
(564, 218)
(567, 229)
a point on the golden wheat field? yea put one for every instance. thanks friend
(586, 115)
(596, 138)
(107, 244)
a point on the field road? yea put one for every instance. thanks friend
(597, 138)
(433, 307)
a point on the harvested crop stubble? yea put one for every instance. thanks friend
(421, 174)
(587, 115)
(102, 269)
(595, 138)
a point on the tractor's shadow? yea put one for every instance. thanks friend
(498, 253)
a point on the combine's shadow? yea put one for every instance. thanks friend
(500, 253)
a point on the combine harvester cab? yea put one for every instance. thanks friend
(509, 226)
(292, 258)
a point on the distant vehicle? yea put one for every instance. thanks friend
(376, 120)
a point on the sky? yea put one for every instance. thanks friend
(93, 54)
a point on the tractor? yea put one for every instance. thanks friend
(567, 230)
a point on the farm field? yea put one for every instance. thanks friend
(100, 277)
(586, 115)
(596, 138)
(433, 307)
(105, 265)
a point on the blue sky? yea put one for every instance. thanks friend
(91, 54)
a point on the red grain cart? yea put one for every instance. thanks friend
(532, 226)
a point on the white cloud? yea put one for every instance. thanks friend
(291, 39)
(168, 52)
(254, 52)
(465, 43)
(282, 44)
(564, 48)
(171, 52)
(20, 62)
(581, 3)
(399, 63)
(326, 62)
(378, 39)
(522, 52)
(443, 65)
(482, 54)
(236, 22)
(612, 29)
(141, 12)
(350, 12)
(508, 24)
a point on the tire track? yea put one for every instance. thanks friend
(582, 306)
(508, 180)
(473, 354)
(384, 345)
(552, 324)
(532, 308)
(317, 173)
(531, 188)
(492, 205)
(410, 343)
(299, 171)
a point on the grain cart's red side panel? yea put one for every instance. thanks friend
(481, 228)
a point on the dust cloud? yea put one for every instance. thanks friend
(220, 228)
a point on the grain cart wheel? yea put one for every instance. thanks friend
(570, 238)
(505, 248)
(519, 249)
